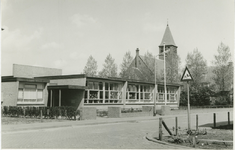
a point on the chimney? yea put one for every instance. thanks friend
(137, 52)
(137, 58)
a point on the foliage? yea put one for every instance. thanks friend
(71, 112)
(109, 68)
(197, 66)
(125, 71)
(149, 60)
(20, 111)
(62, 111)
(222, 100)
(5, 110)
(183, 98)
(101, 113)
(91, 67)
(197, 97)
(130, 110)
(44, 111)
(223, 69)
(52, 112)
(13, 110)
(172, 67)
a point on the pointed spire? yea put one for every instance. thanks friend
(167, 37)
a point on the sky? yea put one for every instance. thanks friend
(64, 33)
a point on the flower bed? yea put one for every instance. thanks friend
(210, 139)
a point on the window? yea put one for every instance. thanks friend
(30, 93)
(20, 94)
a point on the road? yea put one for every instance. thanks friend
(125, 135)
(105, 136)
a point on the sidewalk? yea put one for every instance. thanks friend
(99, 120)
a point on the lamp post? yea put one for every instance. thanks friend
(165, 73)
(155, 74)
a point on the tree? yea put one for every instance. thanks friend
(149, 59)
(109, 68)
(127, 59)
(172, 67)
(223, 70)
(91, 67)
(198, 97)
(197, 66)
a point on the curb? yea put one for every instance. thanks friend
(166, 143)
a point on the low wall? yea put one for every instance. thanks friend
(114, 112)
(147, 108)
(87, 113)
(165, 110)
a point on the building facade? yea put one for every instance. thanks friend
(38, 86)
(81, 90)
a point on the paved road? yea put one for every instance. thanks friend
(105, 136)
(124, 135)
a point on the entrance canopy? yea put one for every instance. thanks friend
(65, 95)
(53, 87)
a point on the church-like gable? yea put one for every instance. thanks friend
(142, 68)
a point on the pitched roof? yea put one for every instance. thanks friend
(167, 38)
(159, 64)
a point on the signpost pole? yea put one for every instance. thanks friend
(188, 107)
(187, 77)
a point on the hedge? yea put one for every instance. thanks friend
(68, 112)
(131, 110)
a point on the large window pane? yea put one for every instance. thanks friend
(39, 94)
(30, 94)
(20, 94)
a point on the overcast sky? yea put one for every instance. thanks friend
(64, 33)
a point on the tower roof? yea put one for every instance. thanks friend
(167, 38)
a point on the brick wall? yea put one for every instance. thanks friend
(9, 93)
(32, 71)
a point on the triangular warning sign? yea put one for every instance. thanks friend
(186, 75)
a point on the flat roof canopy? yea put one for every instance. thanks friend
(52, 87)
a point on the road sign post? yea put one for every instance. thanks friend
(188, 107)
(187, 77)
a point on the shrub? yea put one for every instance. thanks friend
(5, 110)
(13, 110)
(57, 111)
(71, 111)
(130, 110)
(62, 110)
(28, 111)
(102, 113)
(44, 112)
(52, 112)
(20, 111)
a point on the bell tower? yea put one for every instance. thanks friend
(168, 41)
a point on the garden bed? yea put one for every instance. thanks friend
(212, 139)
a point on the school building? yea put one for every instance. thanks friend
(40, 86)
